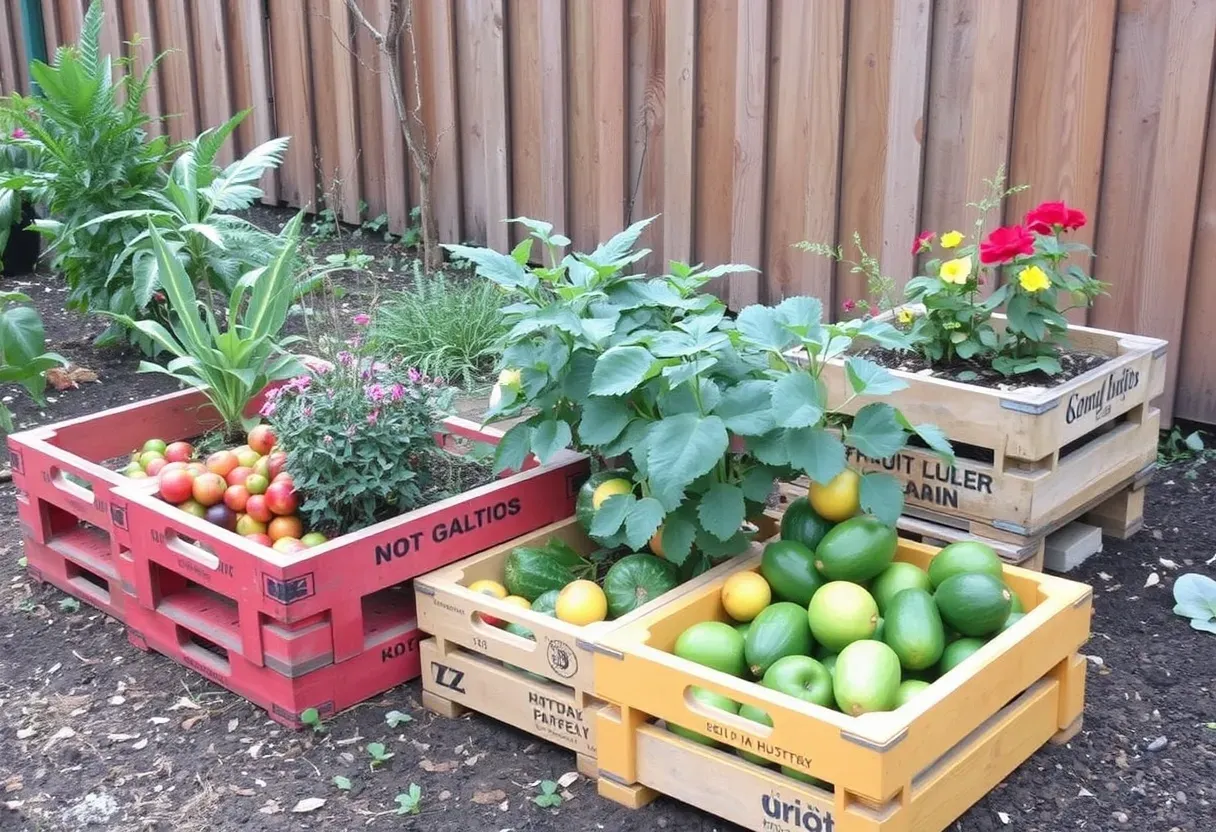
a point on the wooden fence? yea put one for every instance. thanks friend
(747, 124)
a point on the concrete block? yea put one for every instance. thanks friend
(1069, 547)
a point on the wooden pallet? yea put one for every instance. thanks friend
(912, 770)
(1027, 460)
(1119, 512)
(512, 679)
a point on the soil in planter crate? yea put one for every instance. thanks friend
(1074, 363)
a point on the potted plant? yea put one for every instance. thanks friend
(1048, 418)
(19, 244)
(697, 413)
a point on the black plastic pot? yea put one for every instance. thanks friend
(24, 245)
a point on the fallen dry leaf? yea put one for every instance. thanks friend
(1003, 816)
(442, 768)
(272, 807)
(25, 733)
(13, 784)
(185, 702)
(121, 737)
(190, 722)
(141, 745)
(240, 791)
(232, 723)
(64, 378)
(62, 734)
(309, 804)
(567, 779)
(255, 750)
(489, 798)
(1152, 580)
(158, 720)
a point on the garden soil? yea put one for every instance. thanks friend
(95, 734)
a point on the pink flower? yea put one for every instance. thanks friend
(923, 241)
(308, 412)
(373, 416)
(375, 392)
(397, 391)
(268, 409)
(329, 440)
(849, 305)
(346, 359)
(414, 375)
(362, 319)
(18, 133)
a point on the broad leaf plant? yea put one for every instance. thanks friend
(706, 411)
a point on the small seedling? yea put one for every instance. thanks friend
(341, 782)
(69, 605)
(312, 719)
(23, 561)
(395, 718)
(408, 802)
(379, 755)
(548, 795)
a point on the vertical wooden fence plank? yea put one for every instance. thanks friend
(481, 69)
(1159, 99)
(390, 178)
(715, 141)
(974, 64)
(22, 59)
(251, 82)
(435, 40)
(647, 25)
(553, 112)
(212, 40)
(1060, 101)
(71, 17)
(177, 71)
(346, 107)
(1196, 392)
(679, 128)
(9, 80)
(751, 101)
(51, 29)
(524, 48)
(321, 45)
(369, 120)
(293, 100)
(111, 29)
(139, 32)
(805, 103)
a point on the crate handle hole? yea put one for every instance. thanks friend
(73, 484)
(497, 633)
(204, 651)
(191, 549)
(706, 711)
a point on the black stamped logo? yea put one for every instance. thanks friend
(562, 659)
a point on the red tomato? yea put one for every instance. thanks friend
(179, 452)
(176, 486)
(209, 488)
(262, 439)
(281, 499)
(285, 527)
(256, 508)
(235, 497)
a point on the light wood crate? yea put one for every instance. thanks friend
(910, 770)
(1029, 459)
(545, 687)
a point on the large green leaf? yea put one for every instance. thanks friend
(797, 400)
(869, 379)
(611, 514)
(643, 520)
(492, 265)
(931, 435)
(876, 431)
(513, 449)
(816, 452)
(603, 420)
(620, 370)
(882, 496)
(722, 510)
(550, 436)
(763, 328)
(618, 247)
(746, 408)
(678, 534)
(22, 338)
(680, 449)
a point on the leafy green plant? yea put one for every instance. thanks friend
(1176, 446)
(360, 438)
(234, 365)
(191, 214)
(445, 327)
(379, 755)
(89, 155)
(311, 718)
(651, 374)
(69, 605)
(1195, 598)
(325, 224)
(409, 803)
(23, 356)
(548, 796)
(396, 718)
(341, 783)
(13, 158)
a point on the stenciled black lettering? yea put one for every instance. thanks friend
(513, 506)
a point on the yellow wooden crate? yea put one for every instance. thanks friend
(471, 664)
(913, 769)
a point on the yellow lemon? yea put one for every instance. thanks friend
(840, 499)
(582, 603)
(744, 595)
(488, 587)
(611, 488)
(518, 601)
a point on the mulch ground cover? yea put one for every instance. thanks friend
(95, 734)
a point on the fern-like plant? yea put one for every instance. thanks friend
(90, 155)
(189, 211)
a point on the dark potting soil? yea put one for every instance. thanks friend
(95, 734)
(1074, 363)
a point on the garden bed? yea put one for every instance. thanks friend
(219, 764)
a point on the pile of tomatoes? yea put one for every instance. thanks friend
(244, 490)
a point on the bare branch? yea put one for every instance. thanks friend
(376, 34)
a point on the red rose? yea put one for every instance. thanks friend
(1076, 219)
(1046, 216)
(1006, 243)
(921, 243)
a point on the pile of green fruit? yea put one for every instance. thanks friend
(831, 618)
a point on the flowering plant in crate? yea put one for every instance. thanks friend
(700, 411)
(360, 439)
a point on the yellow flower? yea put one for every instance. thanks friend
(904, 316)
(1033, 279)
(956, 271)
(951, 239)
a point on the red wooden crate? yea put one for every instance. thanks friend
(256, 594)
(71, 527)
(195, 634)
